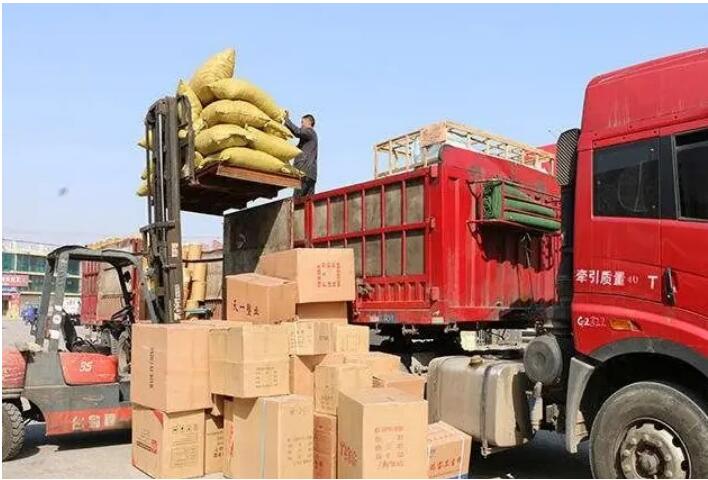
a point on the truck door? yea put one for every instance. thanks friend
(684, 230)
(625, 240)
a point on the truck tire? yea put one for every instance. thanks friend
(13, 431)
(650, 430)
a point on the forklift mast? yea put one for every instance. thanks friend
(170, 152)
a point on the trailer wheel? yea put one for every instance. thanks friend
(13, 431)
(650, 430)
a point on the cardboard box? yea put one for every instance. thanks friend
(321, 274)
(350, 338)
(249, 361)
(168, 445)
(250, 379)
(259, 298)
(381, 433)
(302, 371)
(330, 380)
(170, 367)
(324, 466)
(213, 444)
(378, 362)
(269, 437)
(249, 343)
(407, 382)
(448, 451)
(331, 312)
(325, 433)
(309, 338)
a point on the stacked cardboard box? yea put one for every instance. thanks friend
(381, 434)
(407, 382)
(448, 451)
(171, 397)
(283, 390)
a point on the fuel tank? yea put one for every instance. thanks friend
(486, 398)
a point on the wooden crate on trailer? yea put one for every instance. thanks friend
(421, 148)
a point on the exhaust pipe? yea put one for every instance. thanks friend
(547, 356)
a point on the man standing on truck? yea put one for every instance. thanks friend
(307, 160)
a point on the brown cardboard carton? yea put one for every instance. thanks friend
(350, 338)
(332, 379)
(250, 379)
(157, 351)
(407, 382)
(331, 312)
(213, 444)
(248, 343)
(325, 446)
(249, 361)
(168, 445)
(269, 437)
(378, 362)
(381, 433)
(302, 371)
(321, 274)
(309, 338)
(448, 451)
(259, 298)
(325, 466)
(325, 433)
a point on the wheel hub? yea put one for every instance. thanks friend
(652, 450)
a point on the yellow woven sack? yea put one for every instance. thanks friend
(142, 189)
(215, 68)
(239, 89)
(237, 112)
(194, 102)
(278, 130)
(252, 159)
(271, 145)
(197, 127)
(219, 137)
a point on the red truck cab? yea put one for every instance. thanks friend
(639, 311)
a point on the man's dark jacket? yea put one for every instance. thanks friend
(307, 160)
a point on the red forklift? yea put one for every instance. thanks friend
(69, 382)
(74, 384)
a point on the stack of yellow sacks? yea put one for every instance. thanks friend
(234, 121)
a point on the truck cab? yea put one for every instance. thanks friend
(639, 313)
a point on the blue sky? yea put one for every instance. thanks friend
(78, 79)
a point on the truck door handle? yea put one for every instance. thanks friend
(669, 287)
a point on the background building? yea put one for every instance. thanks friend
(23, 265)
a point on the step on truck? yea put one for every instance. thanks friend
(559, 288)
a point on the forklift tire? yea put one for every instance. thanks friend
(13, 431)
(650, 430)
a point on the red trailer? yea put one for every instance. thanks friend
(424, 252)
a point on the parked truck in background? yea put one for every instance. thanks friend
(575, 277)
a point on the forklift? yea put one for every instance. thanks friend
(84, 386)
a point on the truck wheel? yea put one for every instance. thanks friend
(650, 430)
(13, 431)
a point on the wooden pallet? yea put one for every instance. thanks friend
(420, 148)
(218, 188)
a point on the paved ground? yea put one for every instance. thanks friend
(108, 455)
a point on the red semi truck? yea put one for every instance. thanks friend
(598, 330)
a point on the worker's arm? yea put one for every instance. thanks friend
(302, 133)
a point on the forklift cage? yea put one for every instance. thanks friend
(53, 290)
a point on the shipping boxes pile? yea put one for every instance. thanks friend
(283, 388)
